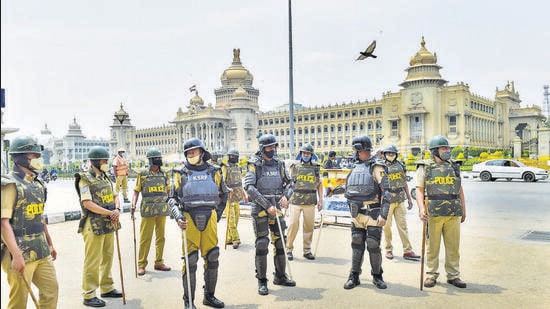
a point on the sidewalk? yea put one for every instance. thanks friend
(501, 272)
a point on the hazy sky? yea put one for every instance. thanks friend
(76, 58)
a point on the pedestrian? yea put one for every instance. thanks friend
(153, 184)
(397, 175)
(197, 201)
(232, 176)
(100, 218)
(442, 207)
(307, 195)
(120, 166)
(24, 232)
(367, 192)
(269, 188)
(331, 163)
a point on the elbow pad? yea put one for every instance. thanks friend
(385, 204)
(175, 209)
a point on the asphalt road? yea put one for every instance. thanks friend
(501, 269)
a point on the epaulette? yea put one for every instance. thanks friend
(423, 162)
(179, 170)
(379, 162)
(7, 179)
(254, 160)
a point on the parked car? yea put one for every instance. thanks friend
(491, 170)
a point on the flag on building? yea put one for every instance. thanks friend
(193, 88)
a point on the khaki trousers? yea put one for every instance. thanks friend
(197, 240)
(148, 225)
(41, 273)
(98, 261)
(308, 213)
(447, 228)
(232, 212)
(399, 213)
(122, 181)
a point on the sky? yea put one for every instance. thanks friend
(65, 59)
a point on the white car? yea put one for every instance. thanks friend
(509, 169)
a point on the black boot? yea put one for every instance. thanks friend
(212, 301)
(353, 281)
(379, 281)
(283, 279)
(187, 304)
(262, 287)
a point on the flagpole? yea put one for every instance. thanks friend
(290, 81)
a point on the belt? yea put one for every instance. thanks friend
(306, 191)
(445, 197)
(369, 207)
(365, 211)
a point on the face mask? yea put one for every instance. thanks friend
(306, 159)
(233, 160)
(269, 154)
(36, 164)
(445, 155)
(390, 157)
(194, 160)
(104, 167)
(157, 162)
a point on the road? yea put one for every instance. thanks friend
(501, 269)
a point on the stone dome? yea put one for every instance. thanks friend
(240, 93)
(74, 125)
(423, 56)
(196, 100)
(236, 74)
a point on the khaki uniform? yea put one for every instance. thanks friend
(233, 179)
(23, 200)
(442, 184)
(306, 177)
(154, 189)
(121, 172)
(397, 177)
(98, 233)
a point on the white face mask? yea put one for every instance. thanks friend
(194, 160)
(36, 164)
(104, 167)
(390, 158)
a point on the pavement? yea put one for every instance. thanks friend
(501, 270)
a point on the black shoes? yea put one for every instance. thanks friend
(212, 301)
(126, 200)
(289, 255)
(113, 294)
(309, 256)
(283, 280)
(353, 281)
(262, 287)
(94, 302)
(379, 282)
(457, 282)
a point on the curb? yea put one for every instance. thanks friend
(71, 215)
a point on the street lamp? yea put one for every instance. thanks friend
(121, 116)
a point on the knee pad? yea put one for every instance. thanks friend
(279, 247)
(212, 258)
(357, 238)
(193, 259)
(261, 226)
(373, 239)
(262, 244)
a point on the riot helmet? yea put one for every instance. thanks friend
(96, 154)
(390, 148)
(361, 143)
(19, 149)
(194, 143)
(233, 155)
(267, 140)
(154, 156)
(436, 142)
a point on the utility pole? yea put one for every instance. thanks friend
(290, 81)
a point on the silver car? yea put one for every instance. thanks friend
(491, 170)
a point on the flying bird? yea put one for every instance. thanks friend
(368, 52)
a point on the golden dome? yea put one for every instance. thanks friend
(240, 93)
(236, 74)
(423, 56)
(196, 100)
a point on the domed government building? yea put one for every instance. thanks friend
(426, 105)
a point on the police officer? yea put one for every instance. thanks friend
(197, 201)
(308, 193)
(268, 187)
(399, 189)
(100, 218)
(24, 232)
(120, 165)
(367, 192)
(233, 178)
(154, 187)
(441, 204)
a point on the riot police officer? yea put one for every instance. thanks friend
(269, 188)
(308, 194)
(233, 179)
(399, 189)
(197, 201)
(367, 192)
(24, 232)
(100, 218)
(441, 204)
(154, 187)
